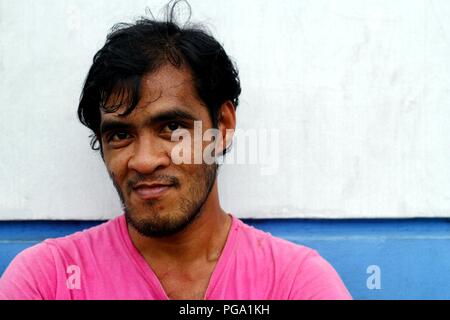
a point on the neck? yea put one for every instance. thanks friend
(203, 239)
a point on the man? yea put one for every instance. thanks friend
(151, 81)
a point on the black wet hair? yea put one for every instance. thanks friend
(133, 50)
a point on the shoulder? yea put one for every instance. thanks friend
(263, 243)
(34, 273)
(101, 234)
(316, 279)
(298, 271)
(30, 274)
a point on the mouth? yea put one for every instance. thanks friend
(151, 192)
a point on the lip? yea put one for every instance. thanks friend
(149, 192)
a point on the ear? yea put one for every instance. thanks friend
(100, 144)
(226, 125)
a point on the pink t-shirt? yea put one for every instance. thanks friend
(102, 263)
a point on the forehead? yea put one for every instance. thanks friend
(167, 87)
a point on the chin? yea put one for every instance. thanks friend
(157, 225)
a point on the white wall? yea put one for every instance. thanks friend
(359, 91)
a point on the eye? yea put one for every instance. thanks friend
(173, 126)
(118, 136)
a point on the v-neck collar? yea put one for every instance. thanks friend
(150, 276)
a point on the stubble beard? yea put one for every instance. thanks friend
(188, 208)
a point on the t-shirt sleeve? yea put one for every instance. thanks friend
(30, 276)
(316, 279)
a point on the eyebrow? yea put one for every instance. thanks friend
(164, 116)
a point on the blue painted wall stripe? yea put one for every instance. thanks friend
(413, 254)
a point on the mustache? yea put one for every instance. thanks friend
(152, 178)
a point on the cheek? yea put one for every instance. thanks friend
(186, 175)
(186, 153)
(193, 174)
(117, 167)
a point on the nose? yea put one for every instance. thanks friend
(148, 156)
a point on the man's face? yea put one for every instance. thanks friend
(159, 197)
